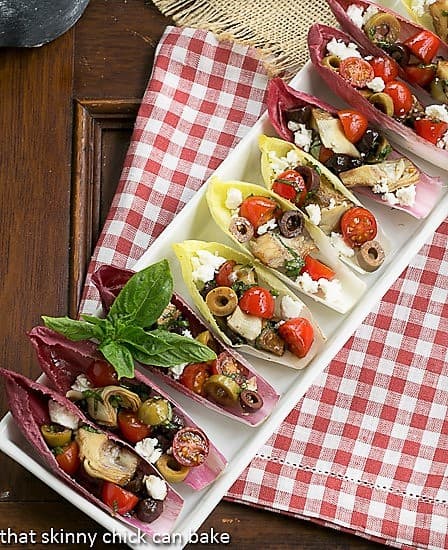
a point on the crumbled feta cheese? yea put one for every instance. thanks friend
(340, 245)
(251, 384)
(443, 141)
(420, 7)
(341, 50)
(381, 187)
(60, 415)
(376, 84)
(290, 308)
(355, 13)
(234, 198)
(302, 136)
(390, 198)
(370, 12)
(156, 487)
(314, 213)
(278, 165)
(149, 449)
(205, 264)
(332, 204)
(82, 383)
(292, 158)
(177, 370)
(331, 289)
(307, 284)
(187, 333)
(265, 227)
(437, 112)
(406, 195)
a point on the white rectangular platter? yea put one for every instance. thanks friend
(238, 442)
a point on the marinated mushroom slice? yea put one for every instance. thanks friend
(270, 251)
(269, 340)
(438, 11)
(394, 174)
(102, 404)
(104, 459)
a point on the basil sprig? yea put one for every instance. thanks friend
(126, 334)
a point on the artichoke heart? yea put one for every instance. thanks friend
(103, 404)
(104, 459)
(394, 173)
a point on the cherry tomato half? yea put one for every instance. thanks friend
(222, 277)
(68, 457)
(401, 96)
(356, 71)
(291, 186)
(228, 366)
(423, 45)
(259, 210)
(298, 334)
(117, 498)
(354, 124)
(317, 270)
(194, 377)
(101, 374)
(131, 427)
(358, 225)
(385, 68)
(258, 301)
(190, 447)
(429, 129)
(420, 75)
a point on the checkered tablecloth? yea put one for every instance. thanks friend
(366, 448)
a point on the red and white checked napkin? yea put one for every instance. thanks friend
(366, 449)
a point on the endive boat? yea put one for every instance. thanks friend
(247, 306)
(278, 235)
(324, 200)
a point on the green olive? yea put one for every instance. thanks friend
(332, 62)
(222, 389)
(207, 339)
(155, 411)
(171, 470)
(383, 27)
(56, 436)
(222, 301)
(382, 102)
(439, 89)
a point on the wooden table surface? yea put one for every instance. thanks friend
(67, 111)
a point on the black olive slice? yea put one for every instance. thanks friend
(310, 176)
(250, 401)
(341, 163)
(291, 224)
(399, 52)
(241, 229)
(149, 509)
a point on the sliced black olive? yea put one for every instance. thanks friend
(149, 509)
(368, 142)
(310, 176)
(250, 401)
(209, 285)
(241, 229)
(301, 115)
(177, 422)
(399, 52)
(136, 483)
(341, 163)
(291, 224)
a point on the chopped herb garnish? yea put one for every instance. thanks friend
(293, 267)
(240, 288)
(115, 401)
(92, 394)
(90, 429)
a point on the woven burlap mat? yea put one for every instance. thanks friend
(278, 28)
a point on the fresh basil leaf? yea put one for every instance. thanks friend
(73, 329)
(181, 350)
(119, 357)
(146, 342)
(93, 319)
(144, 297)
